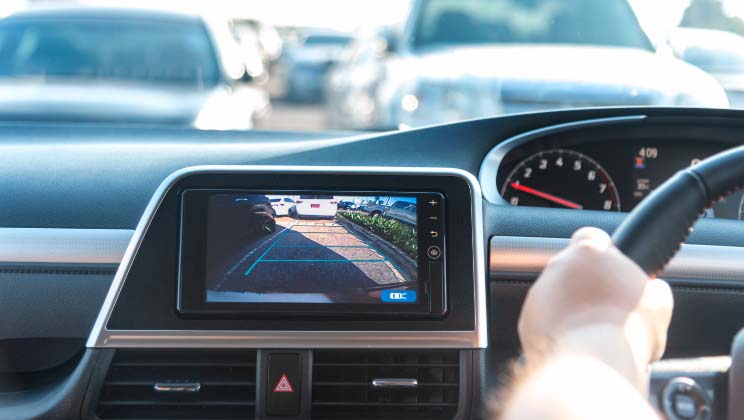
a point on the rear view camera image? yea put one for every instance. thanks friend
(311, 249)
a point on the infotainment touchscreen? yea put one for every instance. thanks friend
(311, 248)
(319, 248)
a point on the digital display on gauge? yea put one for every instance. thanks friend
(653, 164)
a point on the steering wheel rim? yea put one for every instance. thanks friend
(655, 230)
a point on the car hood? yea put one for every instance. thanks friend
(32, 100)
(577, 74)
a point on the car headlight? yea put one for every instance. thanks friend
(429, 103)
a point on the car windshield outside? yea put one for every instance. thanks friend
(109, 49)
(363, 65)
(314, 40)
(445, 23)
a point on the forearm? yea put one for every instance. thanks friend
(575, 387)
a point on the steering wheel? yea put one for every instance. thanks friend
(654, 231)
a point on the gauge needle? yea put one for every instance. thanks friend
(546, 196)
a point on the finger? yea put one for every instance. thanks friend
(592, 235)
(655, 308)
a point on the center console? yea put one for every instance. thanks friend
(323, 292)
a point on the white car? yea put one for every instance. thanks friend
(283, 206)
(316, 206)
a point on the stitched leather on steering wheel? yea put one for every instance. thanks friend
(654, 231)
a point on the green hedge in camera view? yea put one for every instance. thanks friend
(401, 235)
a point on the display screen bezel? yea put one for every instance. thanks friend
(192, 288)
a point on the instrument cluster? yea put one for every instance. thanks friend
(605, 175)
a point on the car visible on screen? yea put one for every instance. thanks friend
(464, 59)
(347, 205)
(283, 206)
(124, 66)
(321, 206)
(252, 214)
(402, 211)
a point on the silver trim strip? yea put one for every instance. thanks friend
(184, 387)
(492, 162)
(102, 337)
(512, 256)
(395, 383)
(64, 246)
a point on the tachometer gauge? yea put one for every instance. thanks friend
(563, 179)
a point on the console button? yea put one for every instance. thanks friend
(685, 406)
(684, 399)
(284, 388)
(434, 252)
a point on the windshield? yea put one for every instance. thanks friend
(581, 22)
(326, 40)
(106, 50)
(361, 65)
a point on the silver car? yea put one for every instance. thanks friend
(463, 59)
(402, 211)
(124, 65)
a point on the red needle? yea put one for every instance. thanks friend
(546, 196)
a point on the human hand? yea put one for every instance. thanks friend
(592, 300)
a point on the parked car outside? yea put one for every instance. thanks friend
(124, 65)
(347, 205)
(283, 206)
(463, 59)
(257, 212)
(306, 63)
(402, 211)
(719, 53)
(375, 207)
(322, 206)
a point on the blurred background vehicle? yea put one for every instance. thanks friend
(464, 59)
(719, 53)
(351, 85)
(266, 36)
(305, 63)
(361, 65)
(124, 65)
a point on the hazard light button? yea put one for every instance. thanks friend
(284, 386)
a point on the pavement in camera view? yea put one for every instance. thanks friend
(311, 256)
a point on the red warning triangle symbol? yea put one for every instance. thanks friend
(283, 385)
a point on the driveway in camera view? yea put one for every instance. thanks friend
(311, 256)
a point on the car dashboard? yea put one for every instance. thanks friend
(109, 248)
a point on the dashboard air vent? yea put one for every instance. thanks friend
(387, 384)
(178, 384)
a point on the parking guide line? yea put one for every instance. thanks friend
(255, 263)
(248, 255)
